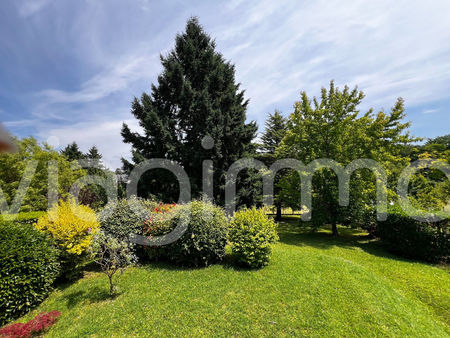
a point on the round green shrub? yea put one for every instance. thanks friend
(204, 239)
(251, 236)
(125, 216)
(28, 267)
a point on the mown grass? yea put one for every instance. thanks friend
(315, 285)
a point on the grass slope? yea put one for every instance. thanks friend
(315, 285)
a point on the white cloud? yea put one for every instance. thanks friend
(104, 134)
(29, 7)
(430, 111)
(118, 77)
(387, 49)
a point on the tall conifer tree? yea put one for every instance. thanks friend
(195, 96)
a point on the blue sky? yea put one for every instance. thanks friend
(69, 69)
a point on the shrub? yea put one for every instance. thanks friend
(413, 239)
(30, 217)
(204, 239)
(35, 327)
(112, 255)
(28, 267)
(251, 236)
(72, 226)
(124, 217)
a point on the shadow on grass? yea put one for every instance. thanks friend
(293, 233)
(92, 295)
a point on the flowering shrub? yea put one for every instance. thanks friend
(71, 225)
(158, 222)
(36, 326)
(251, 235)
(202, 243)
(163, 208)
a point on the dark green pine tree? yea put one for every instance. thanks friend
(196, 95)
(274, 132)
(72, 152)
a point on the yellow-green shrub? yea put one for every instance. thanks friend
(71, 225)
(251, 236)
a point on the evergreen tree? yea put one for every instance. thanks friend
(196, 96)
(72, 152)
(273, 134)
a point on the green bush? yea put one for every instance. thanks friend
(28, 267)
(413, 239)
(251, 236)
(204, 239)
(124, 217)
(30, 217)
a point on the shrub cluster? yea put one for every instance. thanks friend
(35, 327)
(28, 267)
(413, 239)
(251, 236)
(203, 240)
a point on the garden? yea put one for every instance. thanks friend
(185, 240)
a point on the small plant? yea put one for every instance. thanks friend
(28, 267)
(35, 327)
(112, 255)
(251, 236)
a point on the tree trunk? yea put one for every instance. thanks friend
(278, 216)
(111, 286)
(334, 229)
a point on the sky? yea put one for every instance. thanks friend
(69, 69)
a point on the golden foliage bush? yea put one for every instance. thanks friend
(71, 225)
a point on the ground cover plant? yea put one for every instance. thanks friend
(314, 285)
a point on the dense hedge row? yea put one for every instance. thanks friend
(413, 239)
(28, 267)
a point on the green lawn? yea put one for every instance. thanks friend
(314, 285)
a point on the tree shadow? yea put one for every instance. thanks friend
(292, 233)
(92, 295)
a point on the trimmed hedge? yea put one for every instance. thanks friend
(205, 237)
(251, 236)
(28, 267)
(410, 238)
